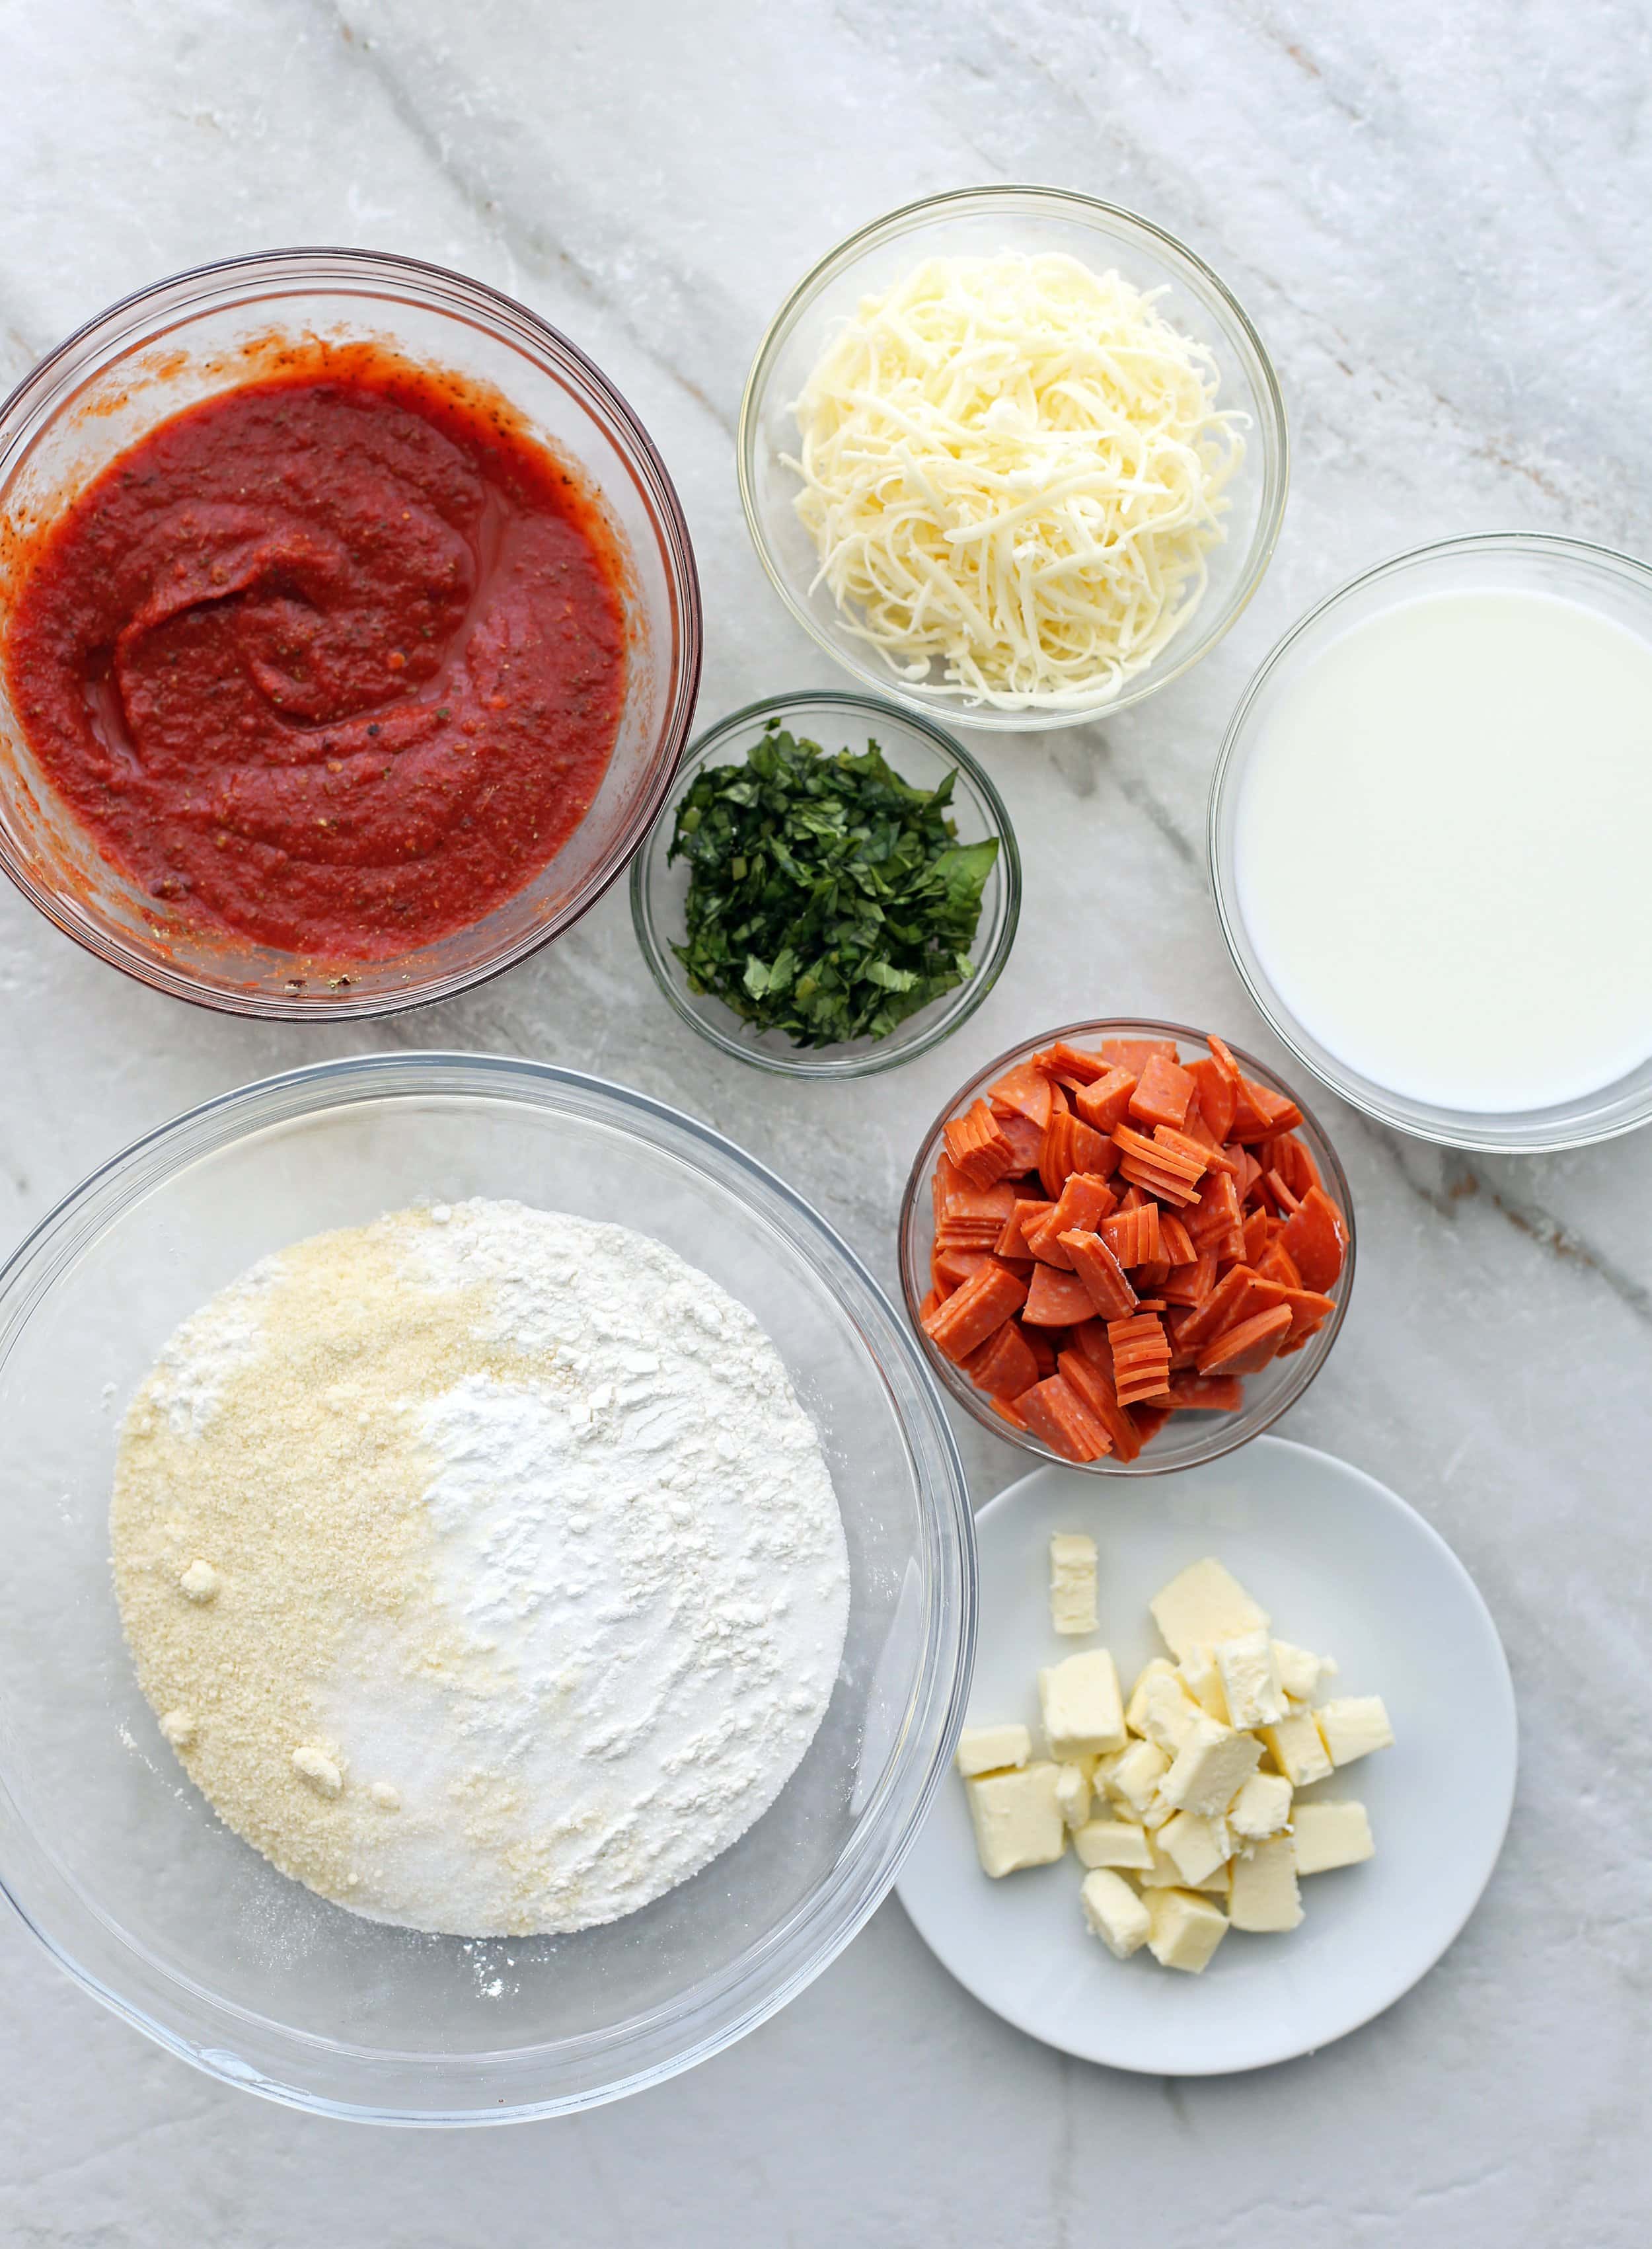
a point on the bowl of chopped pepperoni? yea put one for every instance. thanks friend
(1126, 1245)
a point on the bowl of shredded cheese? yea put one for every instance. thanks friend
(1014, 456)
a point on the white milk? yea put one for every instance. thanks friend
(1443, 849)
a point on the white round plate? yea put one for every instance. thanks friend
(1343, 1567)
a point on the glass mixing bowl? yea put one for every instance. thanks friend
(118, 1865)
(1186, 1439)
(920, 753)
(182, 340)
(979, 222)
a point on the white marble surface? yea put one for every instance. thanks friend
(1437, 217)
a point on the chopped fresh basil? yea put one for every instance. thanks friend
(826, 897)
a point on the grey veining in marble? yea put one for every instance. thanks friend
(1437, 218)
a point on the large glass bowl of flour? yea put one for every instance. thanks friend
(118, 1864)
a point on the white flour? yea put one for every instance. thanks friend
(198, 1359)
(530, 1580)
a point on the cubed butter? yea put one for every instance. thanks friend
(1202, 1606)
(1163, 1872)
(1183, 1930)
(1301, 1672)
(1296, 1747)
(1212, 1765)
(1198, 1675)
(1080, 1698)
(1261, 1808)
(1133, 1774)
(1262, 1894)
(1167, 1786)
(1113, 1843)
(1165, 1875)
(1072, 1582)
(1196, 1846)
(1249, 1680)
(1329, 1833)
(1354, 1726)
(1017, 1819)
(1162, 1709)
(1114, 1913)
(989, 1749)
(1072, 1794)
(1158, 1667)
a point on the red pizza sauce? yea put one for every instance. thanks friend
(333, 661)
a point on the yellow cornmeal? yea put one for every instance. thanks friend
(302, 1501)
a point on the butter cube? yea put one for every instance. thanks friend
(1017, 1819)
(1114, 1913)
(1080, 1698)
(1301, 1673)
(1159, 1666)
(1261, 1808)
(1183, 1930)
(1249, 1680)
(1202, 1606)
(1354, 1726)
(1072, 1794)
(1331, 1833)
(1113, 1843)
(1262, 1895)
(1212, 1765)
(1169, 1714)
(1297, 1750)
(989, 1749)
(1196, 1846)
(1072, 1582)
(1160, 1707)
(1165, 1875)
(1198, 1675)
(1133, 1774)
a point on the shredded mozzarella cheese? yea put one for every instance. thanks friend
(1014, 468)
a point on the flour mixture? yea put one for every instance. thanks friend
(481, 1566)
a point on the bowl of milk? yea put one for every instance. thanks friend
(1429, 831)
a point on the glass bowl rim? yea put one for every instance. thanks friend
(848, 1894)
(1421, 1120)
(46, 389)
(1117, 217)
(1314, 1354)
(955, 1009)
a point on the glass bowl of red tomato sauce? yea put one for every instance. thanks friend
(349, 633)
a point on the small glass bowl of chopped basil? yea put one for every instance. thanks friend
(832, 887)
